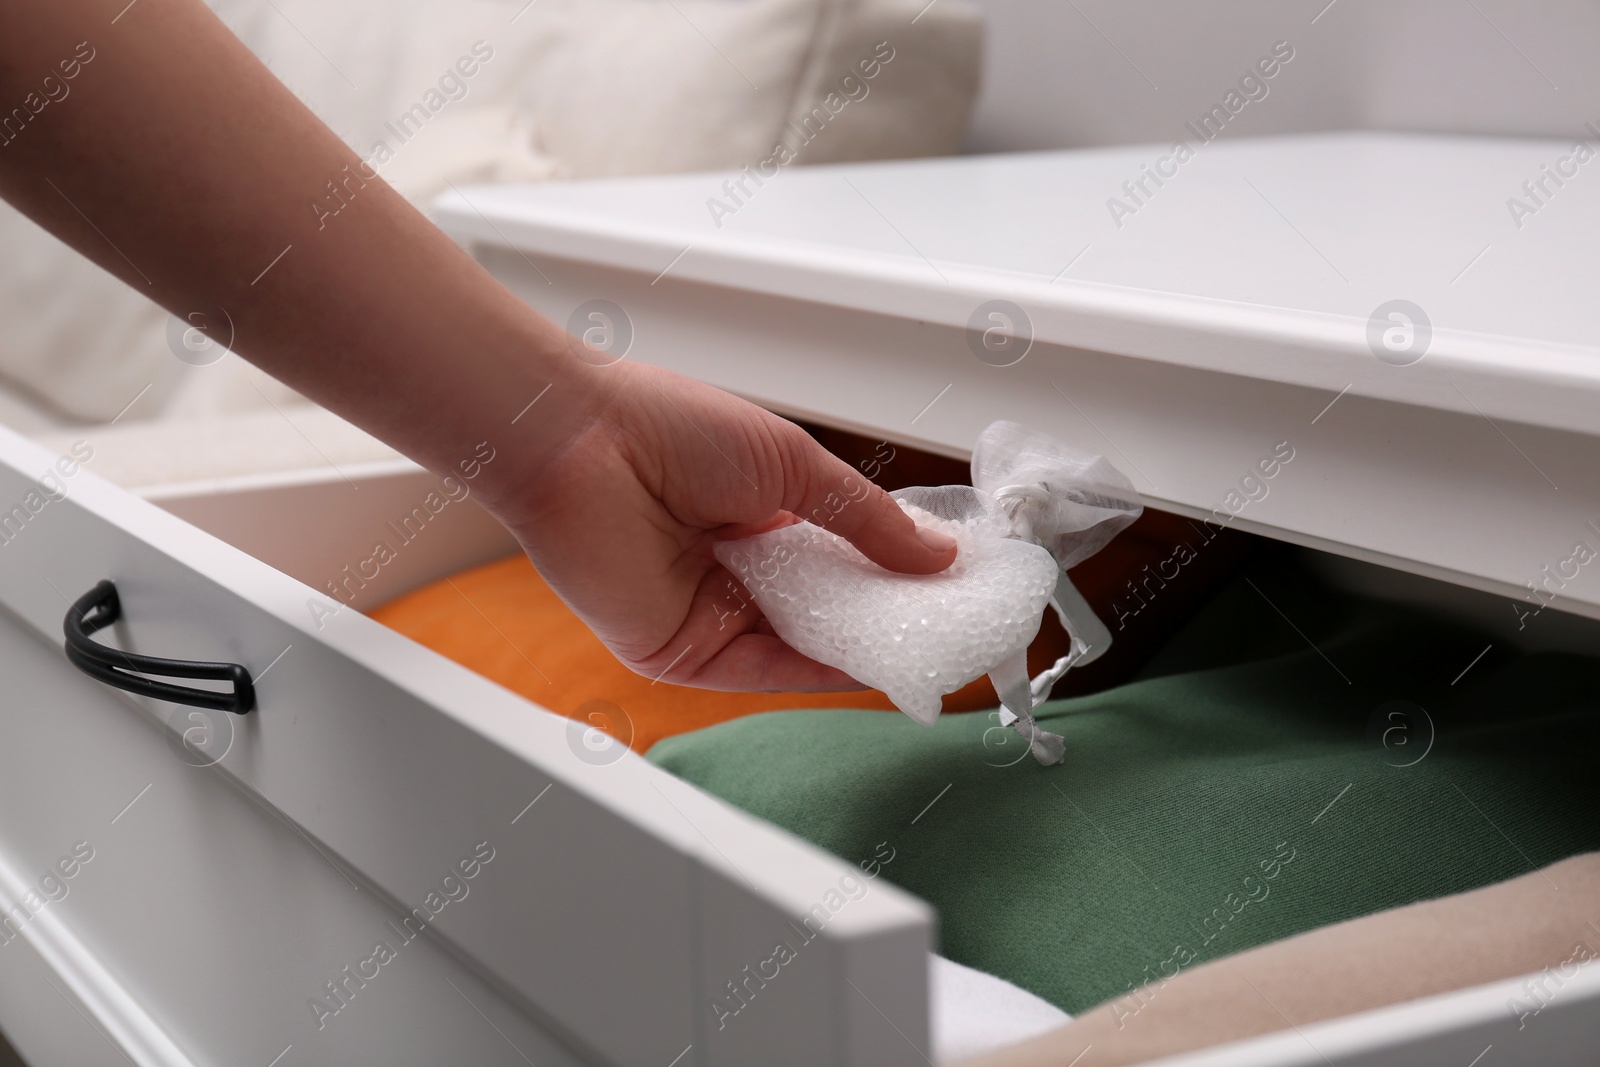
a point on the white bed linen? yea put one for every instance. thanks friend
(564, 87)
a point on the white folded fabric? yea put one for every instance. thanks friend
(975, 1013)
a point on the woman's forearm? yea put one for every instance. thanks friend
(192, 174)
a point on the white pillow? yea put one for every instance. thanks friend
(556, 87)
(643, 86)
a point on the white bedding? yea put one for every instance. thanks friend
(572, 88)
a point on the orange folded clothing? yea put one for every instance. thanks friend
(502, 621)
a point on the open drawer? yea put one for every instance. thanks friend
(259, 513)
(386, 859)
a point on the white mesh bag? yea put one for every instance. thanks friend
(1036, 506)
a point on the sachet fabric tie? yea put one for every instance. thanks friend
(1035, 508)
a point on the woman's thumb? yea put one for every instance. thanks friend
(825, 491)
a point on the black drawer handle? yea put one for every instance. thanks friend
(99, 608)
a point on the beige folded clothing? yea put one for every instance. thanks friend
(1548, 918)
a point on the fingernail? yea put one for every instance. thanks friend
(934, 540)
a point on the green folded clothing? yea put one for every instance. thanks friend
(1293, 758)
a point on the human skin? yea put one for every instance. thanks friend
(182, 166)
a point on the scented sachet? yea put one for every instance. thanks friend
(1035, 508)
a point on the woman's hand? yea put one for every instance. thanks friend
(621, 519)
